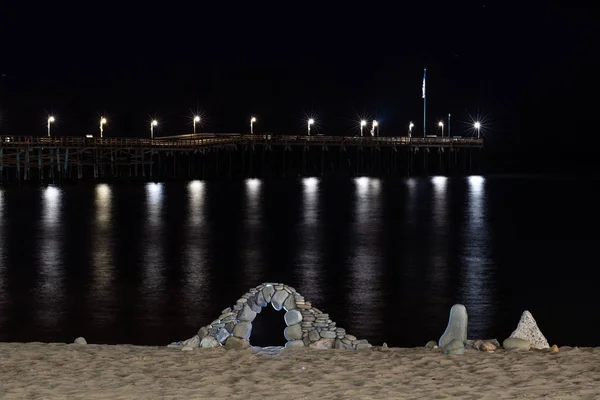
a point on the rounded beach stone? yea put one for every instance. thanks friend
(328, 335)
(187, 348)
(235, 343)
(222, 335)
(243, 330)
(457, 326)
(516, 344)
(323, 344)
(554, 349)
(278, 298)
(246, 314)
(486, 346)
(294, 343)
(527, 329)
(431, 344)
(267, 292)
(363, 346)
(292, 317)
(260, 299)
(293, 332)
(289, 303)
(209, 342)
(80, 340)
(313, 336)
(454, 347)
(350, 337)
(202, 332)
(194, 341)
(253, 306)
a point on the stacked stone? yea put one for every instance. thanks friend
(307, 326)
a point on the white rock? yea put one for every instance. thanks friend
(80, 340)
(528, 330)
(187, 348)
(457, 325)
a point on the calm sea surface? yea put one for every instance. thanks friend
(151, 263)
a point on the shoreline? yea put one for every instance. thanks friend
(51, 370)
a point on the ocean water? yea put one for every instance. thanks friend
(151, 263)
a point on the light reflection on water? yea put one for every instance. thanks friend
(309, 258)
(196, 283)
(439, 238)
(476, 259)
(253, 224)
(365, 264)
(102, 254)
(51, 276)
(153, 239)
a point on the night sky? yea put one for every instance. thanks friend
(530, 73)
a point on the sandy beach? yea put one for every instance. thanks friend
(49, 371)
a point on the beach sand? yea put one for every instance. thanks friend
(50, 371)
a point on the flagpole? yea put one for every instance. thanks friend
(424, 104)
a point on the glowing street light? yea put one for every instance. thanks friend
(477, 126)
(152, 125)
(363, 123)
(375, 125)
(50, 120)
(310, 122)
(102, 122)
(196, 120)
(252, 121)
(410, 126)
(441, 125)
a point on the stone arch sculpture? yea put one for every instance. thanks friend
(307, 326)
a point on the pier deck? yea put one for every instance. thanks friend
(25, 158)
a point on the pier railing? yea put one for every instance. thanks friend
(81, 142)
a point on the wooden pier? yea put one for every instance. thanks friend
(52, 159)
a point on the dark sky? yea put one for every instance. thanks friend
(529, 72)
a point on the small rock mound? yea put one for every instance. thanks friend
(80, 340)
(528, 330)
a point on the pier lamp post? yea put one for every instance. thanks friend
(50, 120)
(410, 126)
(102, 122)
(196, 120)
(477, 126)
(252, 121)
(152, 125)
(375, 126)
(310, 122)
(441, 125)
(363, 123)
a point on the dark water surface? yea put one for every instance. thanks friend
(151, 263)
